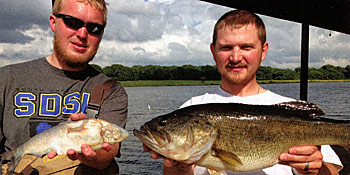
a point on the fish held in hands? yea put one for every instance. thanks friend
(67, 135)
(240, 137)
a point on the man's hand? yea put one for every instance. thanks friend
(298, 157)
(72, 154)
(87, 152)
(98, 159)
(78, 116)
(171, 167)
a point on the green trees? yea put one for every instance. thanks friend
(328, 72)
(119, 72)
(209, 72)
(333, 73)
(347, 72)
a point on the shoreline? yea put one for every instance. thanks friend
(142, 83)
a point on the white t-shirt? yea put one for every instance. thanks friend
(267, 98)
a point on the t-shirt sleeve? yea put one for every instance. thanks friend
(115, 107)
(3, 80)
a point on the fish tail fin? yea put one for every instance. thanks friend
(12, 158)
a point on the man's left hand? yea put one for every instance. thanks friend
(304, 159)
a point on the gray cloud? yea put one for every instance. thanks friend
(139, 48)
(13, 36)
(19, 16)
(134, 28)
(134, 22)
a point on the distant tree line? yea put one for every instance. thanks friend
(208, 72)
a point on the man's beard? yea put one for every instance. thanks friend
(70, 60)
(238, 78)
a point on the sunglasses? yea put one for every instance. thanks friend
(75, 23)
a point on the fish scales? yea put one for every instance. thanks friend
(251, 137)
(259, 129)
(260, 136)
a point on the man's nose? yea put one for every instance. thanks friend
(236, 55)
(82, 33)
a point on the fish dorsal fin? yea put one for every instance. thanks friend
(306, 110)
(228, 157)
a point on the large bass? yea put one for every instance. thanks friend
(239, 137)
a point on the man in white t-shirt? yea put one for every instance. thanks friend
(239, 46)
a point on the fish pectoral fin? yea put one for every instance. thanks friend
(228, 157)
(216, 172)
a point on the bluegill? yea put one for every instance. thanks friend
(240, 137)
(64, 136)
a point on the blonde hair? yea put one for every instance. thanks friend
(236, 19)
(100, 5)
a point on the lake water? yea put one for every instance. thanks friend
(148, 102)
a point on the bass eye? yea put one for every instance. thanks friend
(162, 122)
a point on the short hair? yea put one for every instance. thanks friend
(236, 19)
(100, 5)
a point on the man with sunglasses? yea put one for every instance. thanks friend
(38, 94)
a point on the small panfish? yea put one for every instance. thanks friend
(240, 137)
(64, 136)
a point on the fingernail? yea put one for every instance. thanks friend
(284, 157)
(84, 147)
(293, 151)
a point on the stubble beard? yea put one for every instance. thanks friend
(239, 78)
(70, 60)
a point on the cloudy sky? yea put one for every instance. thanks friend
(160, 32)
